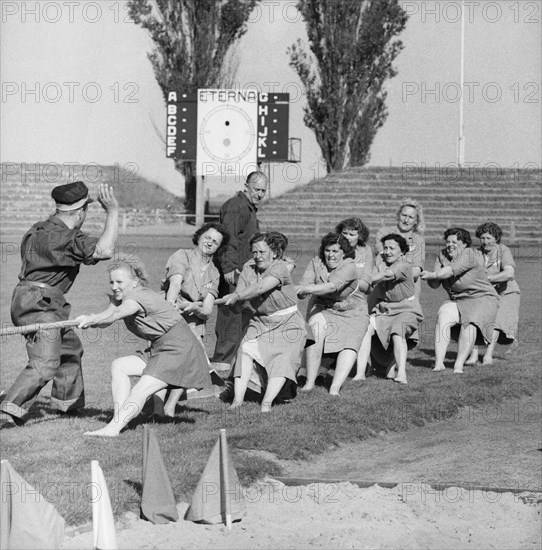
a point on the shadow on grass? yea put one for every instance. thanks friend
(43, 411)
(137, 486)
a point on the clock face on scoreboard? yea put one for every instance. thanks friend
(227, 134)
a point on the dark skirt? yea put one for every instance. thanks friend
(177, 358)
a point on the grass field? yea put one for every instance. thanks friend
(54, 456)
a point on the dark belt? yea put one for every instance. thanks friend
(40, 285)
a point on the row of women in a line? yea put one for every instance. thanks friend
(359, 308)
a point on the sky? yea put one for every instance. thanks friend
(78, 89)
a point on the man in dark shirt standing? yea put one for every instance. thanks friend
(238, 215)
(52, 252)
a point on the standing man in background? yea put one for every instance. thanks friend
(238, 215)
(52, 252)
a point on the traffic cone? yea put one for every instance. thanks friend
(105, 537)
(27, 520)
(157, 501)
(218, 497)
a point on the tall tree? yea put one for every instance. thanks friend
(192, 39)
(350, 57)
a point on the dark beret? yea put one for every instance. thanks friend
(71, 195)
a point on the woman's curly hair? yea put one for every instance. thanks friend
(217, 227)
(354, 224)
(462, 235)
(491, 228)
(276, 241)
(133, 265)
(419, 226)
(399, 239)
(336, 238)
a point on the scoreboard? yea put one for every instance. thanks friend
(224, 131)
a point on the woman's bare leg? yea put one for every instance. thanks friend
(241, 382)
(313, 354)
(400, 351)
(172, 400)
(364, 354)
(274, 385)
(345, 362)
(448, 316)
(145, 387)
(473, 357)
(467, 337)
(488, 355)
(121, 370)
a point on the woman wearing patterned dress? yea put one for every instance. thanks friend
(191, 285)
(497, 260)
(174, 357)
(396, 314)
(357, 233)
(336, 311)
(473, 301)
(270, 352)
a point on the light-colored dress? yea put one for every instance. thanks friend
(345, 310)
(507, 320)
(470, 289)
(416, 250)
(397, 310)
(276, 332)
(174, 356)
(200, 278)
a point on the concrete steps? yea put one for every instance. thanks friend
(465, 198)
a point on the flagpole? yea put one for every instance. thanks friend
(461, 138)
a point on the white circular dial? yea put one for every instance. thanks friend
(227, 133)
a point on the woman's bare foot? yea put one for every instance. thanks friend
(400, 380)
(265, 408)
(334, 391)
(235, 405)
(169, 412)
(392, 373)
(307, 388)
(458, 370)
(488, 360)
(473, 357)
(357, 378)
(107, 431)
(438, 368)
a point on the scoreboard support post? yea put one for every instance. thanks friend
(200, 201)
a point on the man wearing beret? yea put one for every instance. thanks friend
(52, 252)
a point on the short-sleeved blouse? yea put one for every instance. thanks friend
(494, 262)
(401, 286)
(157, 317)
(469, 279)
(281, 297)
(364, 265)
(199, 278)
(344, 277)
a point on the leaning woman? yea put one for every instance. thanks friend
(357, 233)
(473, 301)
(191, 285)
(174, 357)
(270, 352)
(410, 225)
(336, 311)
(395, 317)
(500, 268)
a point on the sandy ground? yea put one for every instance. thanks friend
(485, 451)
